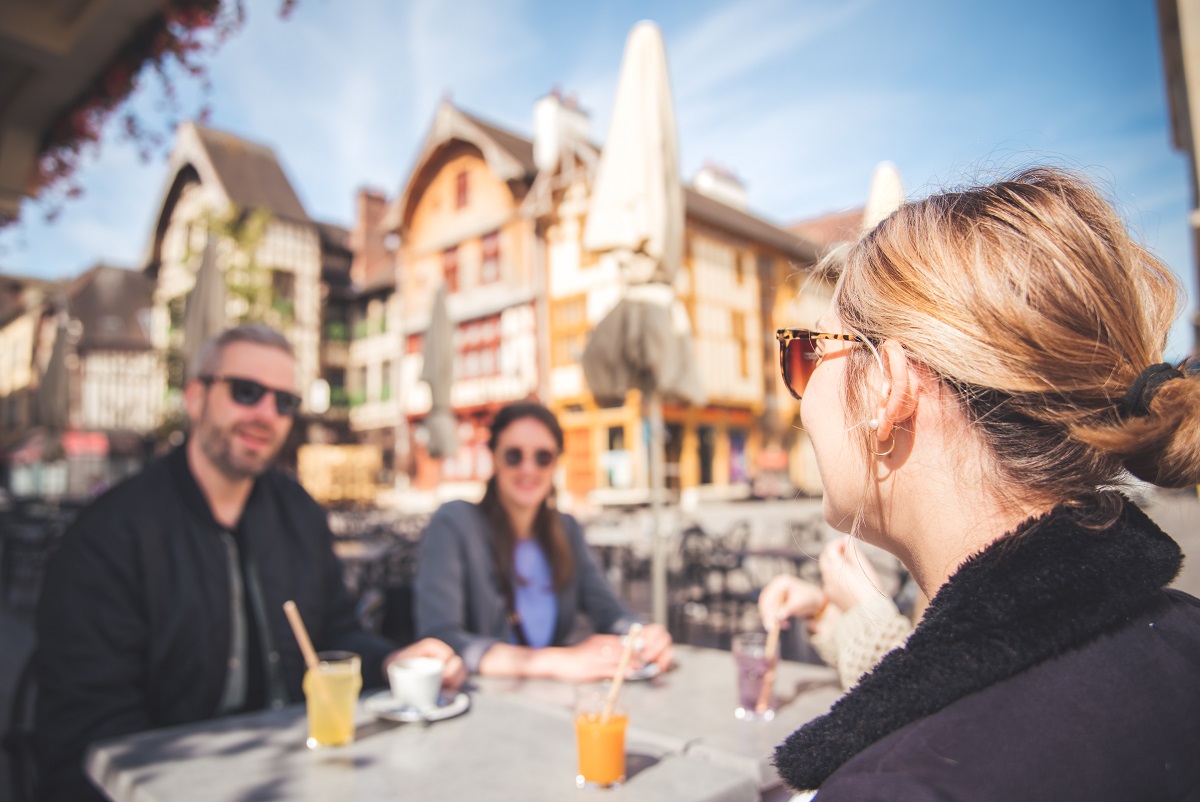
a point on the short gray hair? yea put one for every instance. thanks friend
(208, 355)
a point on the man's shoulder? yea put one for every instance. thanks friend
(133, 496)
(286, 487)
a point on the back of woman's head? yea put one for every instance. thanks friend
(514, 412)
(1029, 300)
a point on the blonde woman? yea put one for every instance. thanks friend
(985, 383)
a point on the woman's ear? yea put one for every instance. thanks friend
(898, 395)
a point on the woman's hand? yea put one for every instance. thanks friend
(593, 658)
(454, 673)
(657, 647)
(786, 596)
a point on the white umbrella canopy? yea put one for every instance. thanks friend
(636, 215)
(636, 206)
(204, 310)
(437, 371)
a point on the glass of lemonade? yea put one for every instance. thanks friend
(330, 691)
(601, 739)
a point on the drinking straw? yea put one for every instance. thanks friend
(310, 658)
(619, 677)
(301, 633)
(764, 696)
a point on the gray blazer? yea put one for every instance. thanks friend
(458, 598)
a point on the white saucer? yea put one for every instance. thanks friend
(383, 705)
(648, 671)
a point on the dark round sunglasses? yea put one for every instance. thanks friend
(798, 356)
(247, 393)
(514, 456)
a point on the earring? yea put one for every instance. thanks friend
(891, 440)
(873, 424)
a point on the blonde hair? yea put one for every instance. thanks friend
(1031, 303)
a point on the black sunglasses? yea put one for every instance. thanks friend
(514, 456)
(798, 356)
(247, 393)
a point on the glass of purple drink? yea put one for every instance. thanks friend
(753, 671)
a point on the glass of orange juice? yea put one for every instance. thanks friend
(330, 691)
(601, 738)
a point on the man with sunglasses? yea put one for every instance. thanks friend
(163, 604)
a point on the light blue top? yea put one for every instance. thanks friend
(458, 598)
(533, 594)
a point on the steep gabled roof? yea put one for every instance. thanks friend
(518, 146)
(715, 213)
(113, 305)
(509, 156)
(251, 174)
(516, 156)
(830, 230)
(18, 294)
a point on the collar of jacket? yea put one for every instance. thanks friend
(193, 495)
(1050, 586)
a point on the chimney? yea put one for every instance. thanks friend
(367, 238)
(558, 122)
(720, 184)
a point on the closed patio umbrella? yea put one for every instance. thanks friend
(636, 214)
(52, 409)
(204, 310)
(438, 372)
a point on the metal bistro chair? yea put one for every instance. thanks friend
(28, 544)
(386, 604)
(712, 585)
(18, 737)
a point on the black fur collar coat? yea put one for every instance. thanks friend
(1052, 665)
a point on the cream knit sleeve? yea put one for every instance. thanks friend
(861, 637)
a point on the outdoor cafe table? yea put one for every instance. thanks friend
(516, 742)
(501, 749)
(689, 710)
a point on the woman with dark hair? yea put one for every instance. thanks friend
(981, 395)
(501, 581)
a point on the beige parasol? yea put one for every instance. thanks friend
(635, 215)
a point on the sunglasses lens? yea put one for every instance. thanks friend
(246, 392)
(799, 362)
(286, 403)
(513, 457)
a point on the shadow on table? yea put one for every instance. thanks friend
(637, 762)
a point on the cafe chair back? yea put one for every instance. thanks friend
(18, 737)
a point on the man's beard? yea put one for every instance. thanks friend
(217, 445)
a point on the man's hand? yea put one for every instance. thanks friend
(453, 675)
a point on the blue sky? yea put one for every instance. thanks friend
(800, 99)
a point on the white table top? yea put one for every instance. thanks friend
(517, 742)
(689, 710)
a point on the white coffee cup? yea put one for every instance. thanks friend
(416, 681)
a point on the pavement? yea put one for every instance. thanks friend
(1177, 512)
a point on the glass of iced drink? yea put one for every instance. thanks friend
(601, 738)
(330, 691)
(753, 664)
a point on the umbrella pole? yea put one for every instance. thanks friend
(652, 411)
